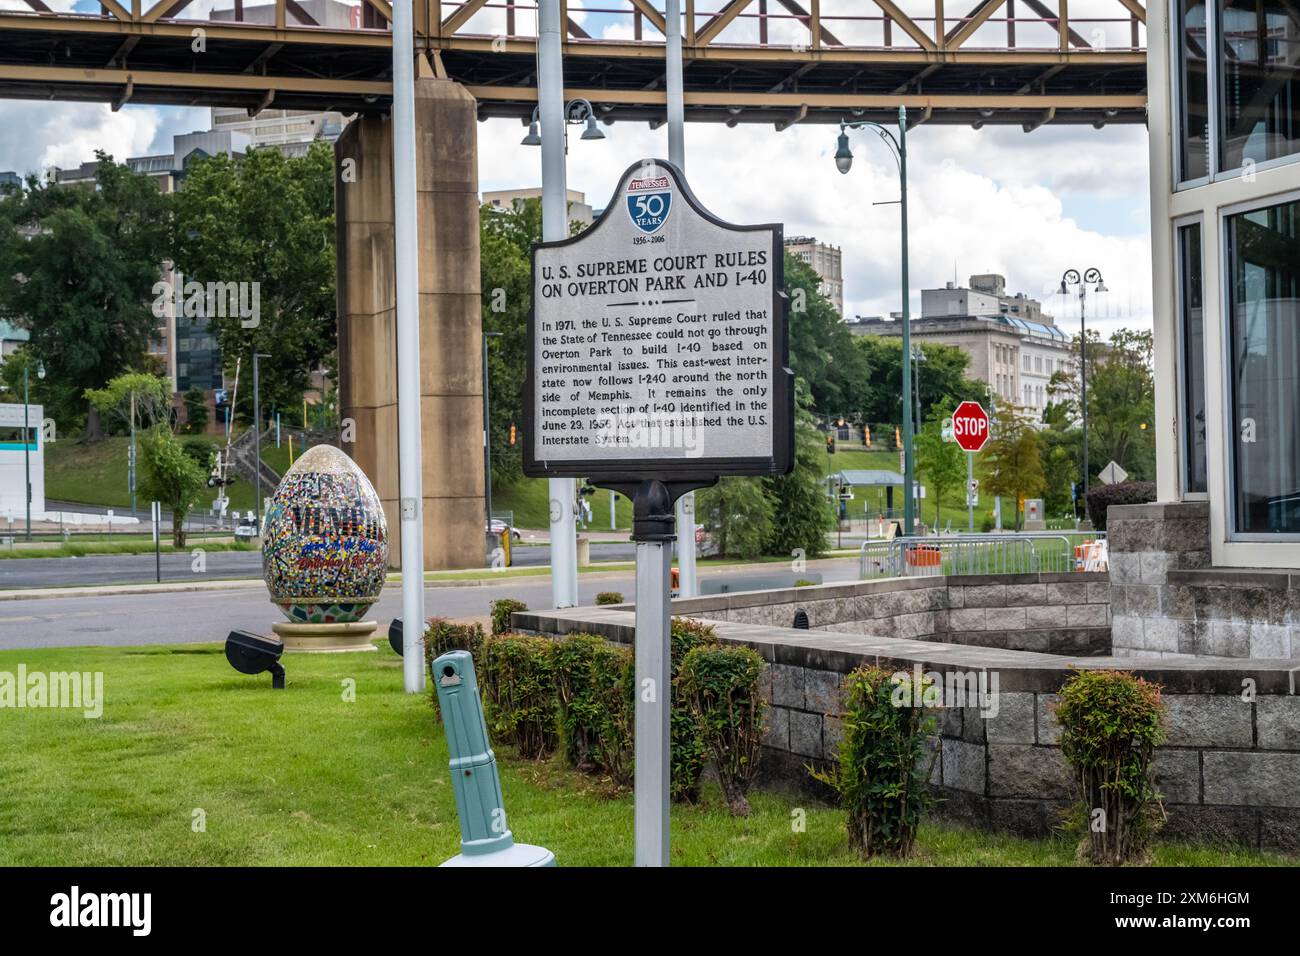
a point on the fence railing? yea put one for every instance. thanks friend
(1011, 553)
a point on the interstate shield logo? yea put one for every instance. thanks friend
(648, 202)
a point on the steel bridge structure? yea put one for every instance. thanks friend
(1022, 62)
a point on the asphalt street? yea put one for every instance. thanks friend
(194, 616)
(139, 568)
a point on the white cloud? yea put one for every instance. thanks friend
(43, 134)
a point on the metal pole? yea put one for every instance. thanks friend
(613, 521)
(257, 446)
(157, 540)
(1083, 386)
(687, 581)
(909, 501)
(131, 469)
(555, 213)
(487, 439)
(408, 346)
(27, 455)
(970, 494)
(652, 660)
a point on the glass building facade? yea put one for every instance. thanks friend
(1225, 140)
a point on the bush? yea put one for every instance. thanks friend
(689, 753)
(522, 703)
(441, 636)
(594, 680)
(1110, 728)
(609, 597)
(879, 776)
(1101, 497)
(501, 611)
(720, 685)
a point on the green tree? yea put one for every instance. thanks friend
(1013, 463)
(800, 518)
(940, 464)
(737, 514)
(821, 346)
(170, 476)
(196, 410)
(80, 266)
(940, 376)
(266, 219)
(133, 400)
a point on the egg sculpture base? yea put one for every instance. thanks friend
(347, 636)
(325, 553)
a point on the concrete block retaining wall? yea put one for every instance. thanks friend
(1230, 771)
(1059, 613)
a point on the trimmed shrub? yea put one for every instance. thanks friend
(1101, 497)
(1110, 728)
(501, 611)
(721, 686)
(441, 636)
(609, 597)
(881, 774)
(689, 753)
(594, 680)
(522, 704)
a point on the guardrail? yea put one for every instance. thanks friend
(958, 554)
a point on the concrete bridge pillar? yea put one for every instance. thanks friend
(451, 372)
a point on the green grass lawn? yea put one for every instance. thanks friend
(304, 777)
(529, 499)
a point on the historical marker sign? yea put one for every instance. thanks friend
(658, 343)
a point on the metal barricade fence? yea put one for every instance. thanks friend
(961, 554)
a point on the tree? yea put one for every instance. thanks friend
(800, 518)
(171, 477)
(1013, 464)
(821, 346)
(79, 269)
(196, 410)
(134, 400)
(266, 224)
(737, 514)
(940, 377)
(939, 463)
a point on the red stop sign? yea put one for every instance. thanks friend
(970, 426)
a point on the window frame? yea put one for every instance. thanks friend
(1225, 368)
(1178, 224)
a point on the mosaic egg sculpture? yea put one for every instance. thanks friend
(325, 540)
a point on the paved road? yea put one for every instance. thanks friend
(190, 616)
(139, 568)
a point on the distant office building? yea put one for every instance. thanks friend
(826, 261)
(10, 180)
(1013, 344)
(579, 210)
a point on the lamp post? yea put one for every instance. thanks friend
(487, 431)
(1071, 278)
(576, 113)
(257, 439)
(844, 162)
(27, 440)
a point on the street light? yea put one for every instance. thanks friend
(1071, 278)
(27, 440)
(844, 162)
(576, 113)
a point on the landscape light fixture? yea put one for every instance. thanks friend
(395, 636)
(251, 654)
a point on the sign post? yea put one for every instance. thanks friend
(970, 429)
(658, 362)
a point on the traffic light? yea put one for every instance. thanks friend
(830, 444)
(898, 437)
(866, 435)
(512, 433)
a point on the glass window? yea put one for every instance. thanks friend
(1259, 53)
(1192, 320)
(1264, 333)
(1193, 92)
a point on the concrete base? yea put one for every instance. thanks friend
(352, 636)
(1035, 525)
(520, 854)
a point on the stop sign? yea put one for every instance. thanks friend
(970, 426)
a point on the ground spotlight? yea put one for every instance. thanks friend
(395, 636)
(251, 653)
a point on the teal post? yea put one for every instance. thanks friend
(485, 837)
